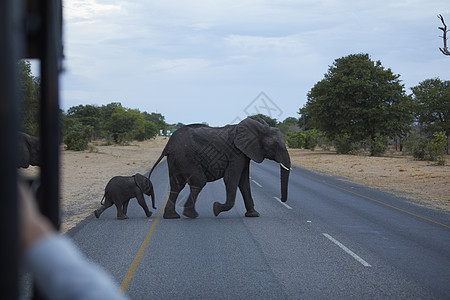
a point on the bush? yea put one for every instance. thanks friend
(311, 139)
(324, 143)
(78, 136)
(416, 145)
(296, 139)
(377, 145)
(302, 139)
(436, 148)
(344, 144)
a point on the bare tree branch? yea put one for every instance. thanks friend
(444, 50)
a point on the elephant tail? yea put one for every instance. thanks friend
(157, 162)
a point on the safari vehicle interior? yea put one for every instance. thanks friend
(29, 29)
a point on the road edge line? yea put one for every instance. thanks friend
(377, 201)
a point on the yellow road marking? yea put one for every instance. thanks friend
(378, 201)
(137, 258)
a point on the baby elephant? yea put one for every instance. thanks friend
(119, 191)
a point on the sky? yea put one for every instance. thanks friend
(218, 61)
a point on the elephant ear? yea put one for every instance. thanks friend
(249, 135)
(142, 182)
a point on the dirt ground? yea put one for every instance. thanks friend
(421, 181)
(85, 174)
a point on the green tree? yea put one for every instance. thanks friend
(158, 120)
(127, 124)
(271, 122)
(436, 148)
(76, 135)
(29, 108)
(304, 122)
(432, 99)
(114, 122)
(296, 139)
(88, 115)
(359, 99)
(121, 124)
(289, 124)
(311, 140)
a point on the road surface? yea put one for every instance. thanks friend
(331, 239)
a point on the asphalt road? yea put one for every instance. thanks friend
(331, 239)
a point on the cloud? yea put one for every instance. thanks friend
(259, 44)
(87, 9)
(181, 66)
(157, 54)
(201, 26)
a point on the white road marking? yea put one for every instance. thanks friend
(350, 252)
(287, 206)
(257, 183)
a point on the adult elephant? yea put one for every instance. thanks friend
(197, 154)
(28, 151)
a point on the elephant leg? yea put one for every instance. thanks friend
(108, 203)
(189, 206)
(231, 183)
(244, 187)
(196, 183)
(176, 186)
(141, 201)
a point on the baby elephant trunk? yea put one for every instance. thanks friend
(152, 195)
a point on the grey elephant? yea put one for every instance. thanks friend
(119, 191)
(28, 151)
(197, 154)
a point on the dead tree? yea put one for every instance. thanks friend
(444, 50)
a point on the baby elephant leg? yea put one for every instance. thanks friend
(120, 214)
(125, 207)
(141, 200)
(108, 203)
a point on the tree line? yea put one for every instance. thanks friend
(358, 104)
(83, 123)
(112, 122)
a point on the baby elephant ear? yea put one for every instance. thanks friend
(249, 135)
(142, 182)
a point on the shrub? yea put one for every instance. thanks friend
(436, 148)
(311, 139)
(324, 142)
(344, 144)
(78, 136)
(416, 145)
(296, 139)
(124, 138)
(377, 145)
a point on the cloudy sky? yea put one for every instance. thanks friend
(217, 61)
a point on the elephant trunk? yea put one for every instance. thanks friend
(285, 169)
(152, 194)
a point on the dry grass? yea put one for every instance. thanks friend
(402, 175)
